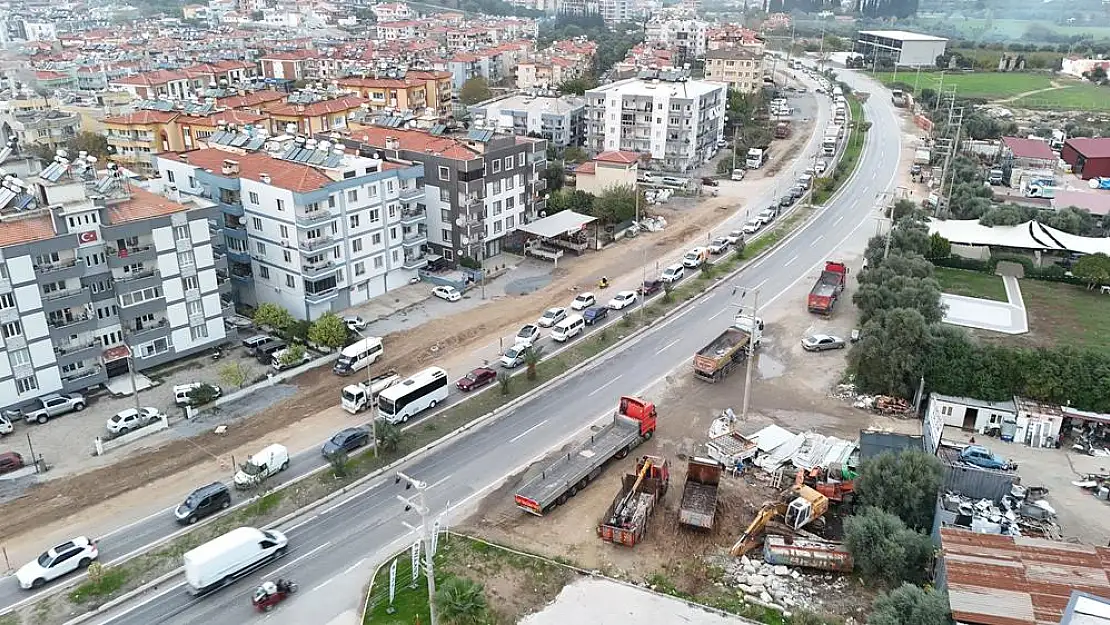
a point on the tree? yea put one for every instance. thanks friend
(577, 86)
(461, 601)
(340, 463)
(617, 204)
(273, 316)
(532, 359)
(574, 200)
(910, 605)
(203, 394)
(903, 484)
(884, 549)
(234, 374)
(555, 177)
(505, 382)
(388, 435)
(41, 151)
(575, 154)
(329, 330)
(95, 144)
(292, 356)
(889, 358)
(939, 247)
(475, 90)
(1094, 268)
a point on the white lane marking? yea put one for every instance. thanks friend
(528, 431)
(444, 479)
(815, 241)
(319, 586)
(339, 504)
(837, 220)
(712, 317)
(354, 566)
(131, 609)
(791, 261)
(607, 384)
(298, 559)
(667, 346)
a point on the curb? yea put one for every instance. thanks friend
(125, 597)
(370, 590)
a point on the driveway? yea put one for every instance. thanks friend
(972, 312)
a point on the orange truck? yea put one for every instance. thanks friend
(626, 520)
(825, 293)
(633, 423)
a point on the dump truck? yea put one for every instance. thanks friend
(827, 290)
(699, 493)
(782, 130)
(626, 519)
(717, 359)
(633, 423)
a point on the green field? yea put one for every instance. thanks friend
(1010, 30)
(970, 283)
(1065, 314)
(1070, 94)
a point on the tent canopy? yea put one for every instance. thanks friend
(1029, 235)
(564, 222)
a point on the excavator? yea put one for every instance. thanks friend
(805, 506)
(835, 482)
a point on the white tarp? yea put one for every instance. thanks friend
(561, 223)
(770, 437)
(1030, 235)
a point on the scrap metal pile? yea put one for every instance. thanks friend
(1023, 512)
(885, 405)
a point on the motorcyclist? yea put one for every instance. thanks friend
(603, 282)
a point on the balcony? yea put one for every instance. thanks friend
(219, 261)
(311, 245)
(409, 194)
(414, 262)
(321, 296)
(147, 332)
(236, 256)
(135, 275)
(235, 232)
(67, 353)
(69, 298)
(413, 216)
(540, 184)
(316, 216)
(539, 206)
(75, 324)
(313, 270)
(235, 210)
(227, 307)
(130, 255)
(414, 238)
(83, 378)
(62, 270)
(243, 277)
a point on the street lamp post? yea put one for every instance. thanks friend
(417, 503)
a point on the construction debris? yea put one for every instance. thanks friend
(883, 404)
(779, 586)
(1023, 512)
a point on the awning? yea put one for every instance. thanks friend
(565, 222)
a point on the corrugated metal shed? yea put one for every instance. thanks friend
(1002, 580)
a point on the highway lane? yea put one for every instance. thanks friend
(370, 525)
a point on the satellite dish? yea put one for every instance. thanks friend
(464, 240)
(543, 213)
(459, 222)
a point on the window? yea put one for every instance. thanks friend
(508, 163)
(253, 197)
(284, 231)
(354, 221)
(12, 329)
(186, 258)
(198, 332)
(261, 247)
(281, 205)
(389, 186)
(155, 347)
(445, 234)
(510, 221)
(7, 301)
(520, 157)
(256, 223)
(288, 257)
(331, 201)
(444, 195)
(47, 259)
(392, 211)
(497, 207)
(393, 234)
(444, 173)
(495, 166)
(509, 183)
(169, 176)
(263, 272)
(26, 385)
(509, 203)
(497, 227)
(290, 281)
(190, 282)
(372, 190)
(376, 238)
(375, 216)
(378, 261)
(20, 357)
(137, 297)
(181, 233)
(194, 308)
(352, 195)
(356, 245)
(360, 268)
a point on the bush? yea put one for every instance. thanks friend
(504, 381)
(201, 395)
(903, 484)
(388, 435)
(959, 262)
(885, 551)
(910, 605)
(469, 263)
(108, 580)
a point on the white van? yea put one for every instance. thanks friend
(262, 465)
(568, 328)
(358, 355)
(181, 392)
(230, 556)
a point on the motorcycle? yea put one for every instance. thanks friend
(603, 283)
(217, 353)
(270, 594)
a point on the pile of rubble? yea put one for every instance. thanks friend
(882, 404)
(1023, 512)
(779, 586)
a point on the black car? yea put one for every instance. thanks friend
(786, 200)
(265, 352)
(346, 440)
(203, 502)
(595, 314)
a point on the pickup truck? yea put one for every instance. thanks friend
(55, 405)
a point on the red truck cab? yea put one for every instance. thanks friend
(642, 411)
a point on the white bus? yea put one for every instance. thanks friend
(358, 355)
(424, 390)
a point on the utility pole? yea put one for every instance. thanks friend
(417, 503)
(751, 347)
(643, 263)
(372, 406)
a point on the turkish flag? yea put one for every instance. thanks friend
(88, 236)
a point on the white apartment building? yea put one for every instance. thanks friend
(617, 11)
(311, 238)
(97, 275)
(675, 120)
(679, 32)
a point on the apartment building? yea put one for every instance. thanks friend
(418, 92)
(97, 276)
(677, 121)
(135, 137)
(477, 186)
(615, 12)
(739, 68)
(678, 32)
(50, 128)
(304, 225)
(561, 121)
(307, 117)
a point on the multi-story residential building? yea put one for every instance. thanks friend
(679, 32)
(617, 11)
(135, 137)
(311, 117)
(734, 36)
(739, 68)
(311, 238)
(292, 65)
(184, 83)
(98, 276)
(678, 122)
(418, 92)
(478, 187)
(391, 11)
(559, 120)
(50, 129)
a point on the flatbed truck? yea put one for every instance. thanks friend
(626, 520)
(633, 423)
(699, 493)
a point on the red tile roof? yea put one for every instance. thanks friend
(294, 177)
(1091, 148)
(416, 141)
(251, 99)
(325, 107)
(142, 205)
(150, 79)
(25, 230)
(227, 117)
(589, 167)
(622, 157)
(143, 118)
(1029, 148)
(380, 83)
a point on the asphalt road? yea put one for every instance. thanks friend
(370, 525)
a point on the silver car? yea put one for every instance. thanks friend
(822, 342)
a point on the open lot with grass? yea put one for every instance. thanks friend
(1010, 30)
(1065, 314)
(1064, 94)
(970, 283)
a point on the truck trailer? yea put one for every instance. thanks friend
(699, 493)
(824, 294)
(633, 423)
(626, 519)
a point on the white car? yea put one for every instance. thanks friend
(530, 333)
(736, 236)
(719, 245)
(820, 167)
(131, 419)
(57, 561)
(752, 226)
(766, 215)
(583, 301)
(355, 323)
(673, 273)
(448, 293)
(515, 355)
(551, 316)
(624, 299)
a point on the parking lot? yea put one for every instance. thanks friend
(66, 443)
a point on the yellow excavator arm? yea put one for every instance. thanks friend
(750, 538)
